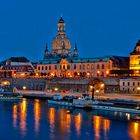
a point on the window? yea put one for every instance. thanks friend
(42, 68)
(49, 67)
(88, 66)
(123, 83)
(74, 66)
(46, 68)
(68, 67)
(102, 66)
(98, 66)
(38, 67)
(92, 66)
(64, 67)
(133, 83)
(128, 83)
(80, 67)
(55, 67)
(83, 67)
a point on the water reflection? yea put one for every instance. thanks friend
(75, 124)
(23, 113)
(133, 130)
(15, 115)
(99, 124)
(37, 114)
(51, 118)
(78, 122)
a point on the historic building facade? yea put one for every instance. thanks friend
(61, 62)
(135, 60)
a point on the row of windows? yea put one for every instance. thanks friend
(133, 83)
(66, 67)
(84, 66)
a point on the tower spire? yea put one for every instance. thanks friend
(61, 26)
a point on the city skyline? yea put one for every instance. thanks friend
(26, 27)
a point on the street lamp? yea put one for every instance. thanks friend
(92, 90)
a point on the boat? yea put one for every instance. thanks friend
(7, 93)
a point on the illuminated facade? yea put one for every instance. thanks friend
(61, 62)
(135, 60)
(16, 67)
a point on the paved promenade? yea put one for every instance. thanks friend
(135, 97)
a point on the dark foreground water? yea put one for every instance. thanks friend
(35, 120)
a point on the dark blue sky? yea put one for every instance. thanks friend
(100, 27)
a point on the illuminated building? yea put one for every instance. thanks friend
(16, 67)
(135, 60)
(61, 62)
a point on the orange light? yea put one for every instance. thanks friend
(98, 72)
(107, 72)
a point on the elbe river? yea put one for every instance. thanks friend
(36, 120)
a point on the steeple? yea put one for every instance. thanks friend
(46, 52)
(61, 26)
(75, 51)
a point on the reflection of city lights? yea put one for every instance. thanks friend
(15, 116)
(97, 125)
(133, 130)
(37, 114)
(52, 118)
(78, 121)
(23, 112)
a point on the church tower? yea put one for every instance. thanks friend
(135, 57)
(46, 52)
(75, 51)
(61, 42)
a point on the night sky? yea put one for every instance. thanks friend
(100, 27)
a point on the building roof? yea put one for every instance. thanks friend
(17, 59)
(121, 61)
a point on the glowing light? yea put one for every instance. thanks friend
(138, 88)
(107, 72)
(88, 74)
(98, 72)
(22, 74)
(97, 91)
(52, 74)
(24, 87)
(102, 85)
(56, 89)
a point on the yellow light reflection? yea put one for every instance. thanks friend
(37, 114)
(78, 121)
(15, 116)
(133, 130)
(52, 118)
(23, 111)
(106, 126)
(97, 126)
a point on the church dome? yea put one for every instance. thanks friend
(61, 42)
